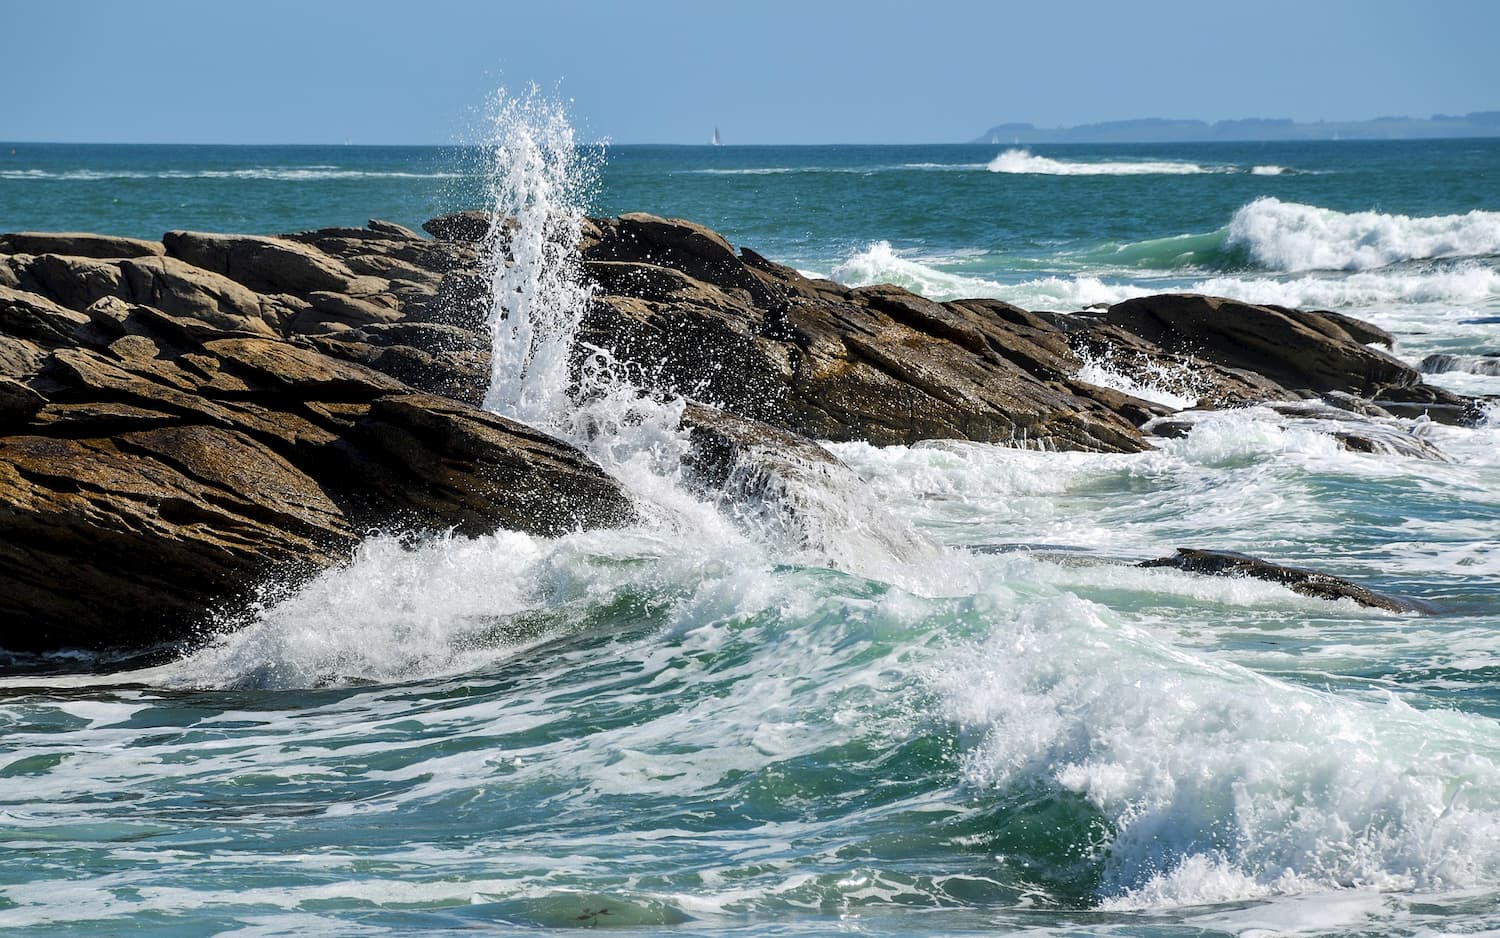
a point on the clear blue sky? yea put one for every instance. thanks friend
(764, 71)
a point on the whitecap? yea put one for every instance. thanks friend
(1025, 162)
(1290, 236)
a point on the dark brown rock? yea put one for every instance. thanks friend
(722, 442)
(1316, 352)
(157, 467)
(265, 265)
(876, 363)
(390, 229)
(131, 539)
(440, 359)
(37, 319)
(478, 471)
(471, 226)
(1297, 579)
(18, 402)
(165, 283)
(792, 491)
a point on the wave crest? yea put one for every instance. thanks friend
(1024, 162)
(1289, 236)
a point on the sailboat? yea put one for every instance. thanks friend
(715, 141)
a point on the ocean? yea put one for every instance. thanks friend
(958, 710)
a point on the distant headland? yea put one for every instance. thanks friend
(1166, 130)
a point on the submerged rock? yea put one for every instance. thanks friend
(1298, 580)
(1369, 429)
(1442, 363)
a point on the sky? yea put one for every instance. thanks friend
(762, 71)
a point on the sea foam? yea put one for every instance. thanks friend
(1464, 283)
(1217, 783)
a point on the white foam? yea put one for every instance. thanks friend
(1289, 236)
(1218, 783)
(393, 612)
(1461, 284)
(1024, 162)
(840, 170)
(1269, 169)
(1467, 285)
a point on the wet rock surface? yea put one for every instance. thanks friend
(1297, 579)
(170, 445)
(182, 421)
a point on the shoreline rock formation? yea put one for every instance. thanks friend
(183, 421)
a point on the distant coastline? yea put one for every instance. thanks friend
(1166, 130)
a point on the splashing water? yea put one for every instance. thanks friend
(1174, 386)
(538, 186)
(538, 183)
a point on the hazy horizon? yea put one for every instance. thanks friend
(970, 141)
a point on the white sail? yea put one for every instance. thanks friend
(715, 141)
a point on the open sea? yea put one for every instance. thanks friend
(949, 713)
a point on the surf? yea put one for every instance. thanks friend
(763, 709)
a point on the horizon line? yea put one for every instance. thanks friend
(710, 146)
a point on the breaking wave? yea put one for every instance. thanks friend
(1462, 283)
(1289, 236)
(1208, 782)
(879, 263)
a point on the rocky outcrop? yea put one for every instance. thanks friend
(1295, 349)
(1298, 580)
(161, 461)
(827, 361)
(822, 360)
(182, 422)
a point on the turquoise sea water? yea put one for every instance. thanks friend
(937, 710)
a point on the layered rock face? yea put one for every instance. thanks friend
(183, 421)
(171, 437)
